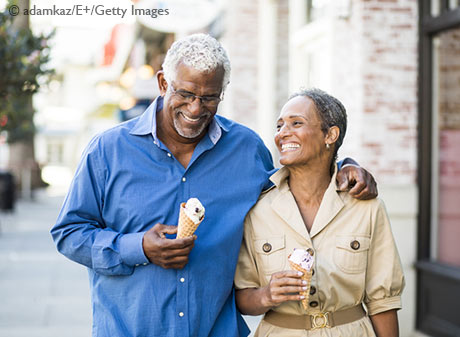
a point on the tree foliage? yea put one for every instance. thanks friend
(23, 58)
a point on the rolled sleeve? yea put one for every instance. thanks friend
(131, 250)
(385, 304)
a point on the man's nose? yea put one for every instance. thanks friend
(195, 106)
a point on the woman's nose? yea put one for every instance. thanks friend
(283, 131)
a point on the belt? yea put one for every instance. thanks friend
(316, 321)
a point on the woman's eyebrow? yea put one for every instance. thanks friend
(296, 116)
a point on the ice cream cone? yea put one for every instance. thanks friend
(305, 277)
(186, 226)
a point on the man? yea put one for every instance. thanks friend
(124, 200)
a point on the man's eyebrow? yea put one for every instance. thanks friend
(190, 92)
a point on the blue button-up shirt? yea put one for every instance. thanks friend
(126, 182)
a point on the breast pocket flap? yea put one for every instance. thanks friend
(269, 245)
(353, 243)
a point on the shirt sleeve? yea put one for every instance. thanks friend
(80, 232)
(246, 275)
(384, 277)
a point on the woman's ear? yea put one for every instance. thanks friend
(162, 84)
(332, 135)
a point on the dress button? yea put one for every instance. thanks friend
(181, 314)
(182, 279)
(312, 290)
(310, 251)
(313, 304)
(312, 271)
(355, 244)
(183, 179)
(267, 247)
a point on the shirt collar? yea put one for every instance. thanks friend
(279, 178)
(147, 123)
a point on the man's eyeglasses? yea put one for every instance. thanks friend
(188, 97)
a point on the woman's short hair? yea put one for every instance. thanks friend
(330, 111)
(198, 51)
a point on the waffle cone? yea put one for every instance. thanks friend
(186, 227)
(305, 277)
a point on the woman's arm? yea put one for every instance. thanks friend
(284, 286)
(386, 324)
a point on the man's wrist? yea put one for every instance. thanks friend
(131, 249)
(348, 161)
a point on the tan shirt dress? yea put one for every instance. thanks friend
(344, 275)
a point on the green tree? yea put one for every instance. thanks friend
(23, 56)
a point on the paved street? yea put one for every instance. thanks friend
(42, 294)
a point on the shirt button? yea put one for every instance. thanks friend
(169, 155)
(312, 290)
(310, 251)
(313, 304)
(137, 265)
(181, 314)
(145, 263)
(355, 244)
(183, 179)
(182, 279)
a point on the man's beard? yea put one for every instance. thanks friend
(191, 133)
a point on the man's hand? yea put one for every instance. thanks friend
(165, 252)
(357, 181)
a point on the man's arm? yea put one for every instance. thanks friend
(356, 180)
(82, 235)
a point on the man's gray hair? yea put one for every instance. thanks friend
(330, 111)
(198, 51)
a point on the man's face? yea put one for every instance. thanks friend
(190, 116)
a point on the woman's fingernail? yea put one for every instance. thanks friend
(299, 273)
(304, 288)
(302, 297)
(304, 282)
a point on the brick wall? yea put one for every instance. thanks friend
(389, 75)
(375, 76)
(240, 40)
(242, 43)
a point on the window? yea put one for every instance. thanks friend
(446, 148)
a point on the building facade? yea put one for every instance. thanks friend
(395, 64)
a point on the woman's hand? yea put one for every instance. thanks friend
(283, 286)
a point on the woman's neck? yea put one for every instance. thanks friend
(309, 182)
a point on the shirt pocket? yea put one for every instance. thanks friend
(350, 253)
(271, 252)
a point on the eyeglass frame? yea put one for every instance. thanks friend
(204, 100)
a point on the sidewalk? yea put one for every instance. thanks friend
(42, 293)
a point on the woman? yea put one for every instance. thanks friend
(355, 258)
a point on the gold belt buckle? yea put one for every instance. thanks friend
(324, 321)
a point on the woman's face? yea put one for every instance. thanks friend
(298, 136)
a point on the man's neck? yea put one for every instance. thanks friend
(181, 148)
